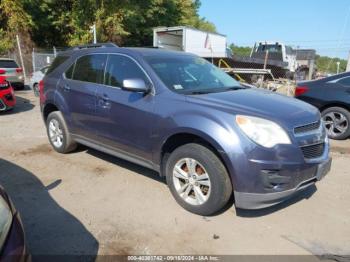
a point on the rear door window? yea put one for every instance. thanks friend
(56, 63)
(89, 68)
(121, 67)
(8, 64)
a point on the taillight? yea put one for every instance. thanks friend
(41, 86)
(299, 90)
(3, 83)
(19, 70)
(41, 91)
(2, 71)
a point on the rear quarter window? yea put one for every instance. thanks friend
(8, 64)
(56, 63)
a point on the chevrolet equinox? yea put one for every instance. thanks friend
(178, 114)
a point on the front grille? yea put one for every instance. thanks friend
(4, 86)
(307, 128)
(313, 151)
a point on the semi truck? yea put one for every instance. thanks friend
(188, 39)
(266, 58)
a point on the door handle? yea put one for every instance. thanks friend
(66, 87)
(104, 101)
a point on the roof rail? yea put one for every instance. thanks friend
(98, 45)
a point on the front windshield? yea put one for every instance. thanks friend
(191, 75)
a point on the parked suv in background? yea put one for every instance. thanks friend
(331, 95)
(180, 115)
(13, 73)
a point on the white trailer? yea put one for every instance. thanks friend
(187, 39)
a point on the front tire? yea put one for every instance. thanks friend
(197, 179)
(337, 122)
(58, 134)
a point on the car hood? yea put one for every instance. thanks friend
(287, 111)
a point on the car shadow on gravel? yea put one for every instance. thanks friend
(305, 194)
(22, 105)
(50, 230)
(127, 165)
(300, 196)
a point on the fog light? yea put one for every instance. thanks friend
(272, 180)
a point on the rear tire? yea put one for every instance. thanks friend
(58, 133)
(194, 163)
(36, 89)
(337, 122)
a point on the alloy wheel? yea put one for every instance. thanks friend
(336, 123)
(191, 181)
(55, 133)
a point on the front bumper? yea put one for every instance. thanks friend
(262, 200)
(262, 177)
(7, 99)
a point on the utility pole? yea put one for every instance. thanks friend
(348, 66)
(33, 60)
(21, 57)
(338, 64)
(93, 30)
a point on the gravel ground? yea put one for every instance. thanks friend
(88, 202)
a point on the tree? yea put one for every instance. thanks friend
(14, 20)
(240, 50)
(327, 64)
(51, 21)
(125, 22)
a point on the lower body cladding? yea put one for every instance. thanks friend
(267, 182)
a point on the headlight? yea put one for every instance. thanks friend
(263, 132)
(5, 221)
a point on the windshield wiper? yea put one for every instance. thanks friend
(234, 88)
(200, 92)
(216, 90)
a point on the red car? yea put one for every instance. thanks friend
(12, 240)
(7, 96)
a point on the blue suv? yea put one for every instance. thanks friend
(178, 114)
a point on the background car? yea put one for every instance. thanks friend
(13, 73)
(331, 95)
(36, 77)
(12, 241)
(7, 96)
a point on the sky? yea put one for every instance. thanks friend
(323, 25)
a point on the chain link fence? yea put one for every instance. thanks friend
(264, 70)
(44, 57)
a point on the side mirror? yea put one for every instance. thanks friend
(135, 85)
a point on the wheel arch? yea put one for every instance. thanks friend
(335, 104)
(178, 139)
(49, 108)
